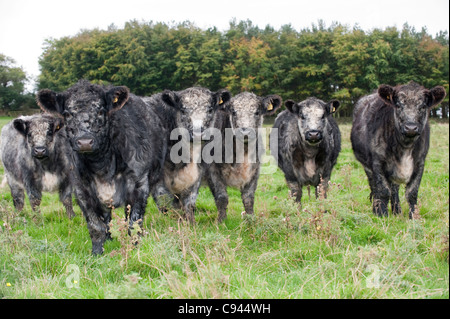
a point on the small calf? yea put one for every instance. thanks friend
(34, 155)
(309, 142)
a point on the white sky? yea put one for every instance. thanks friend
(25, 24)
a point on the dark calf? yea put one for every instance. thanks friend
(242, 118)
(309, 142)
(34, 154)
(390, 137)
(117, 149)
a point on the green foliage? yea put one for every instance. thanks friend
(12, 85)
(333, 62)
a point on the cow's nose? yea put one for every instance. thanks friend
(313, 136)
(85, 144)
(246, 134)
(40, 152)
(411, 129)
(244, 131)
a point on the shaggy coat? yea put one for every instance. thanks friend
(309, 142)
(117, 149)
(390, 137)
(243, 118)
(34, 154)
(188, 115)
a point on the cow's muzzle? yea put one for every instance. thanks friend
(410, 130)
(40, 152)
(245, 134)
(85, 145)
(313, 137)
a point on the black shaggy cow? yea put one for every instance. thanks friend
(118, 150)
(390, 137)
(34, 154)
(309, 142)
(188, 116)
(240, 164)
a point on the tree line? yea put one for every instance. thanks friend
(337, 61)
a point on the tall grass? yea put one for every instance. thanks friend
(327, 248)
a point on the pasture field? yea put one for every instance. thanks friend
(328, 248)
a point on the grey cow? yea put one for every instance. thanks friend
(242, 118)
(34, 154)
(390, 137)
(188, 114)
(309, 142)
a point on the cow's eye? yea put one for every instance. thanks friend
(66, 113)
(302, 116)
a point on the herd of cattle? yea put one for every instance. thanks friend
(112, 148)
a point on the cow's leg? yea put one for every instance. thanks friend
(33, 186)
(412, 189)
(137, 199)
(395, 200)
(188, 199)
(296, 189)
(17, 193)
(248, 194)
(219, 190)
(65, 196)
(381, 192)
(163, 198)
(97, 218)
(371, 183)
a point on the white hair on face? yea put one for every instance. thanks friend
(246, 105)
(313, 113)
(39, 130)
(197, 101)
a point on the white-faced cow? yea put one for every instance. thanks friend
(189, 114)
(240, 169)
(390, 137)
(309, 142)
(117, 148)
(34, 154)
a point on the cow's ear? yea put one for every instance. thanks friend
(172, 99)
(116, 98)
(271, 104)
(292, 106)
(22, 126)
(332, 106)
(51, 102)
(221, 100)
(386, 92)
(435, 96)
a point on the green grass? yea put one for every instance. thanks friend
(329, 248)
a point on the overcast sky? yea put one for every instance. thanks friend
(25, 24)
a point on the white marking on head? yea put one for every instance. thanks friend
(247, 107)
